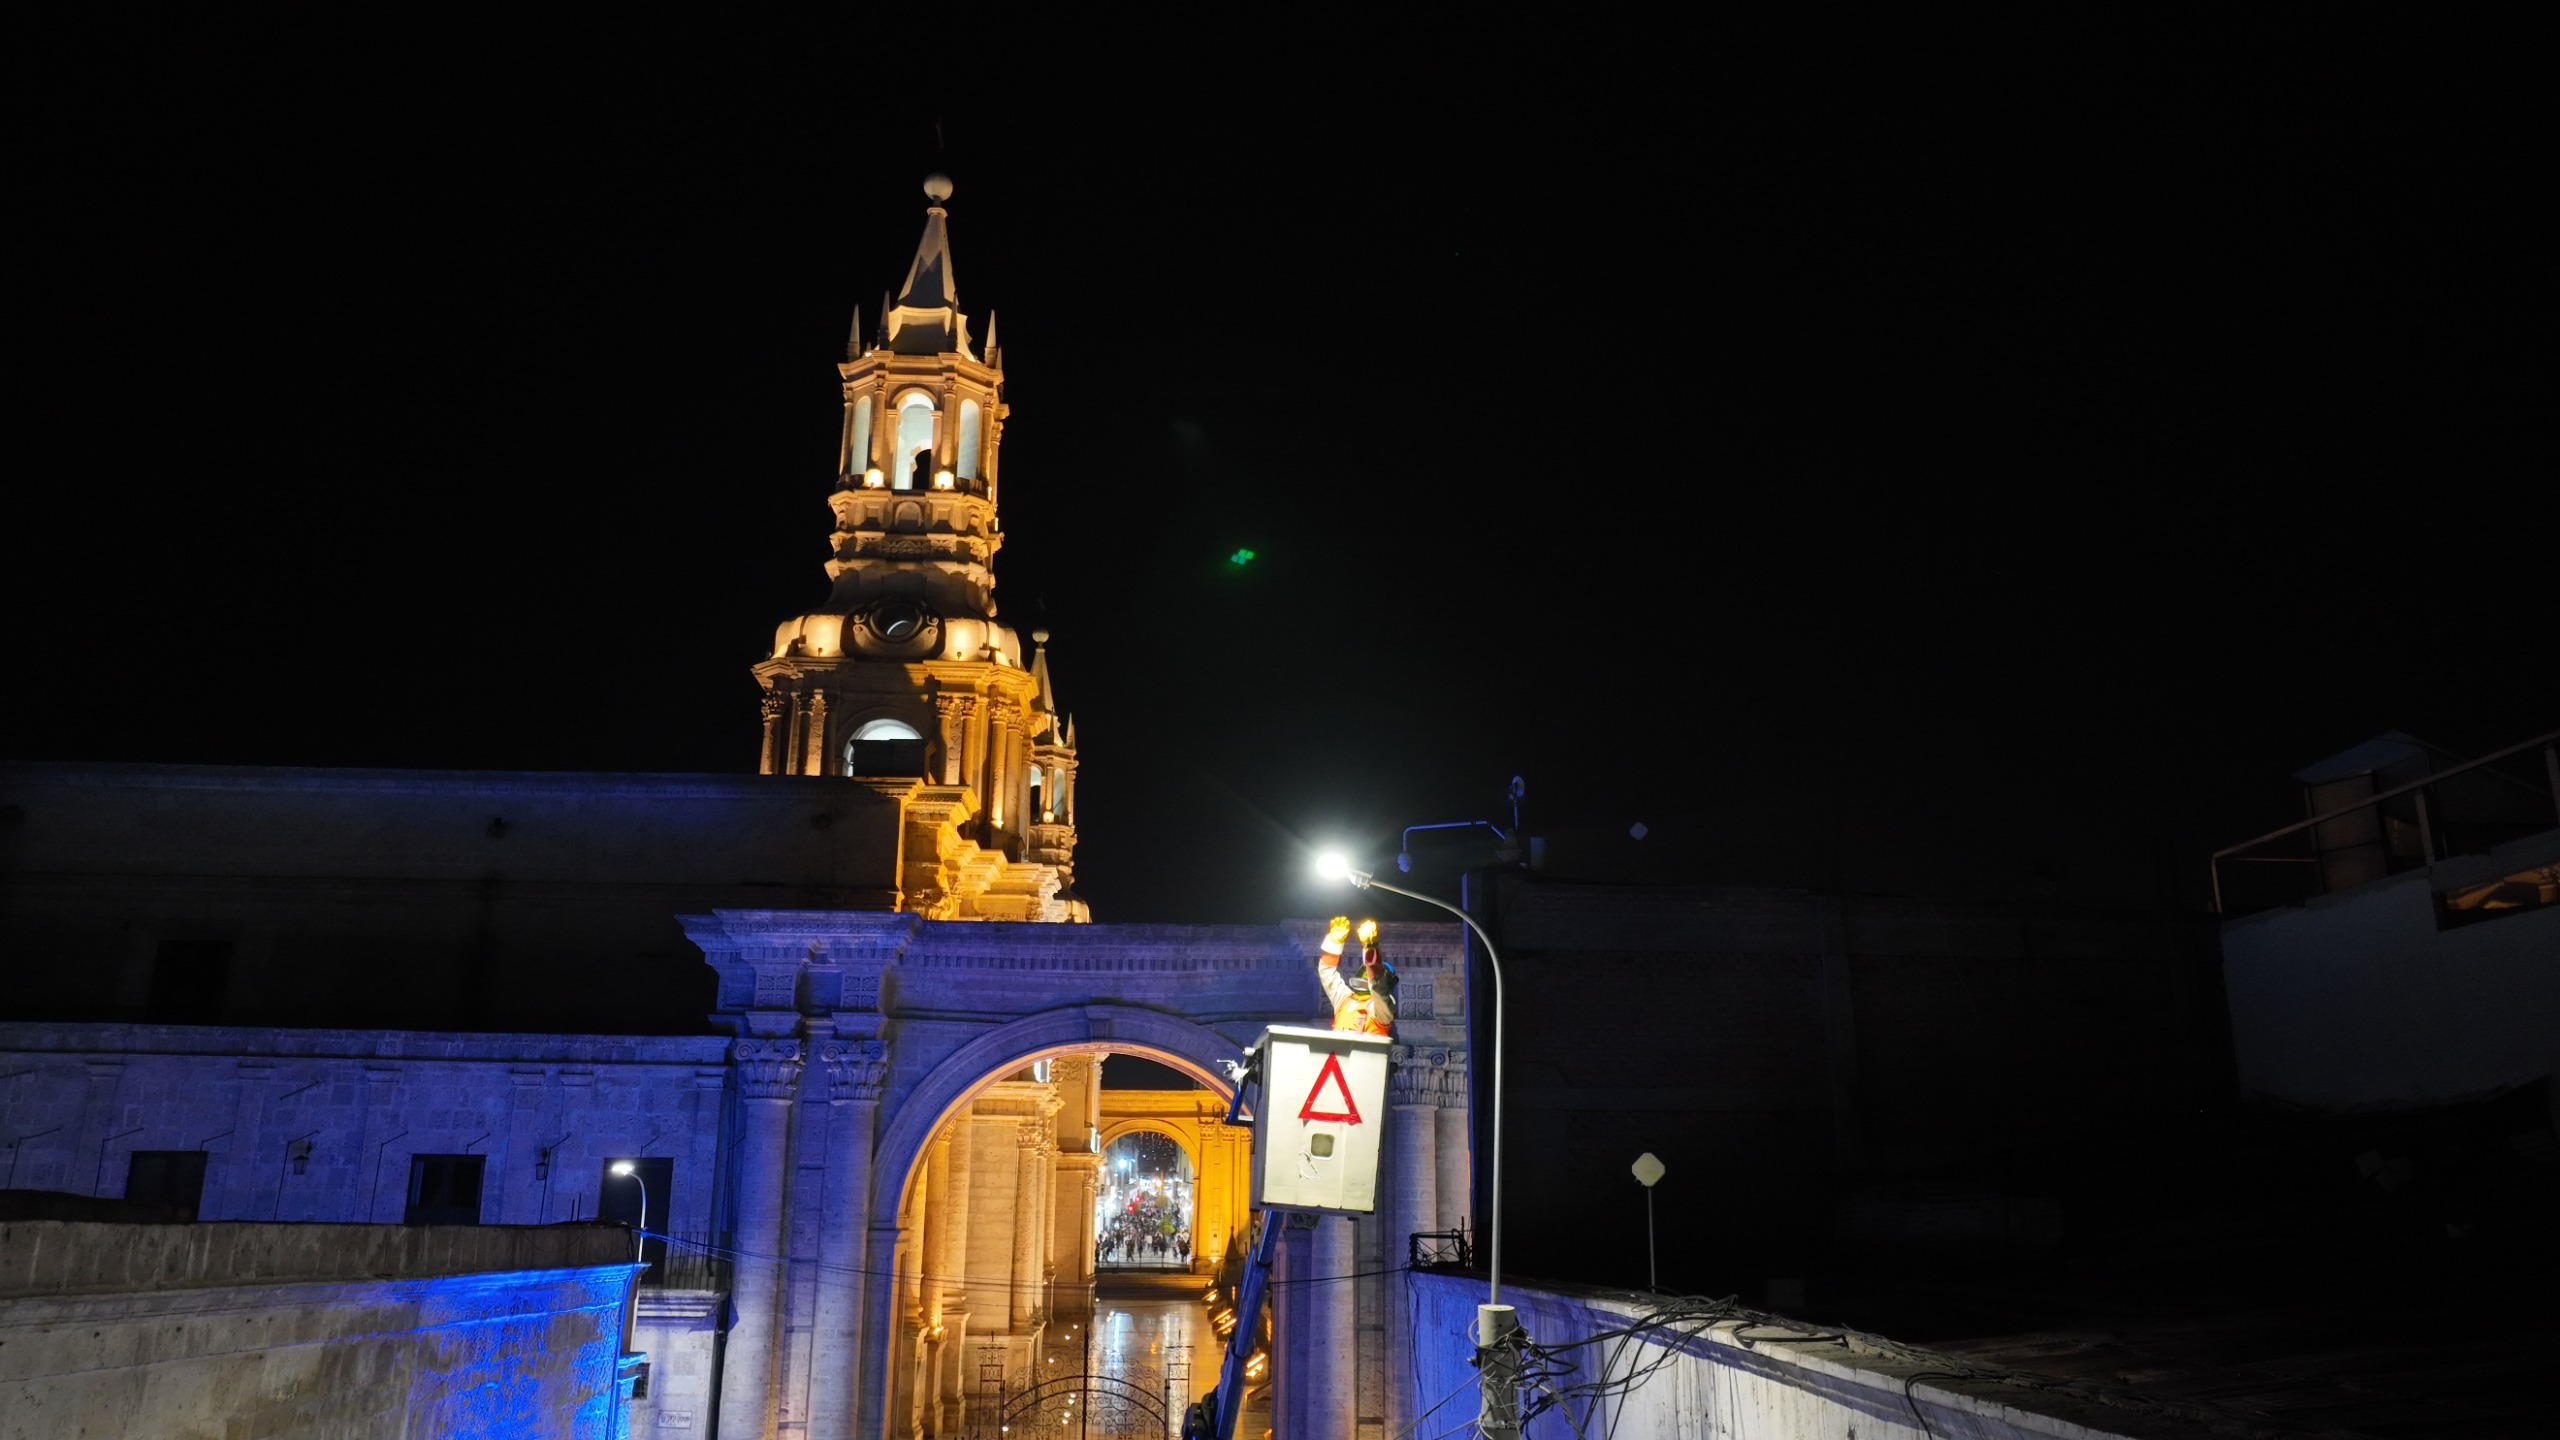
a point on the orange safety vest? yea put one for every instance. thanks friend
(1370, 1011)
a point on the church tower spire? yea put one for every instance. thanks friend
(905, 680)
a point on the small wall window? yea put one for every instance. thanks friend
(444, 1190)
(911, 468)
(967, 461)
(890, 748)
(173, 1179)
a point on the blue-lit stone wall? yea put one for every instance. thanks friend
(113, 1331)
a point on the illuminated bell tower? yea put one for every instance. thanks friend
(904, 678)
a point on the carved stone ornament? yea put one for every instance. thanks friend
(856, 1069)
(1410, 1082)
(767, 1069)
(1033, 1136)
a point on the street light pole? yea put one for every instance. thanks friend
(639, 1237)
(639, 1256)
(1497, 1359)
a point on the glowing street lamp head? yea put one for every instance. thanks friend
(621, 1167)
(1333, 865)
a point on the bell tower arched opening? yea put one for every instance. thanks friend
(891, 748)
(911, 467)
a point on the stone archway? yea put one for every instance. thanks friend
(929, 1356)
(859, 1034)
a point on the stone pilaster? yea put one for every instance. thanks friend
(952, 1270)
(768, 1070)
(1455, 1191)
(885, 1390)
(855, 1072)
(1332, 1379)
(776, 707)
(1030, 1139)
(1003, 809)
(952, 712)
(814, 742)
(1412, 1188)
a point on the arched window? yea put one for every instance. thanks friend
(1039, 805)
(911, 468)
(968, 458)
(884, 748)
(857, 438)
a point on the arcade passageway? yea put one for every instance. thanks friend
(1061, 1228)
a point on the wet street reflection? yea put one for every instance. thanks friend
(1146, 1359)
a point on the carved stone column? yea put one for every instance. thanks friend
(1413, 1104)
(855, 1072)
(768, 1070)
(953, 1268)
(796, 725)
(775, 708)
(1030, 1139)
(1332, 1388)
(951, 713)
(995, 789)
(1455, 1192)
(814, 760)
(877, 1408)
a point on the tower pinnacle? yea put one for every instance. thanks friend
(926, 319)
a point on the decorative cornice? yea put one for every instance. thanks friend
(418, 1048)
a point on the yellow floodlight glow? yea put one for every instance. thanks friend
(875, 478)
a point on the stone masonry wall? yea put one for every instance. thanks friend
(174, 1332)
(320, 1125)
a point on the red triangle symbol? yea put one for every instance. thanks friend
(1332, 1071)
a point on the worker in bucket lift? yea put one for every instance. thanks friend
(1365, 1004)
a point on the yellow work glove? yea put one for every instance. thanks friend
(1341, 927)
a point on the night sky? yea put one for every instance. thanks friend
(1995, 446)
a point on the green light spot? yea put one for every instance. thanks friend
(1240, 557)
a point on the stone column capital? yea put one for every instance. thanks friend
(767, 1069)
(856, 1069)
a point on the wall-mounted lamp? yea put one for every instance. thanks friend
(941, 479)
(874, 478)
(542, 1165)
(299, 1152)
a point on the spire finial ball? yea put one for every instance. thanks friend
(937, 188)
(1039, 637)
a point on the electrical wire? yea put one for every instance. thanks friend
(1666, 1324)
(1416, 1422)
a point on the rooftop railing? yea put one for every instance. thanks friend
(2406, 827)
